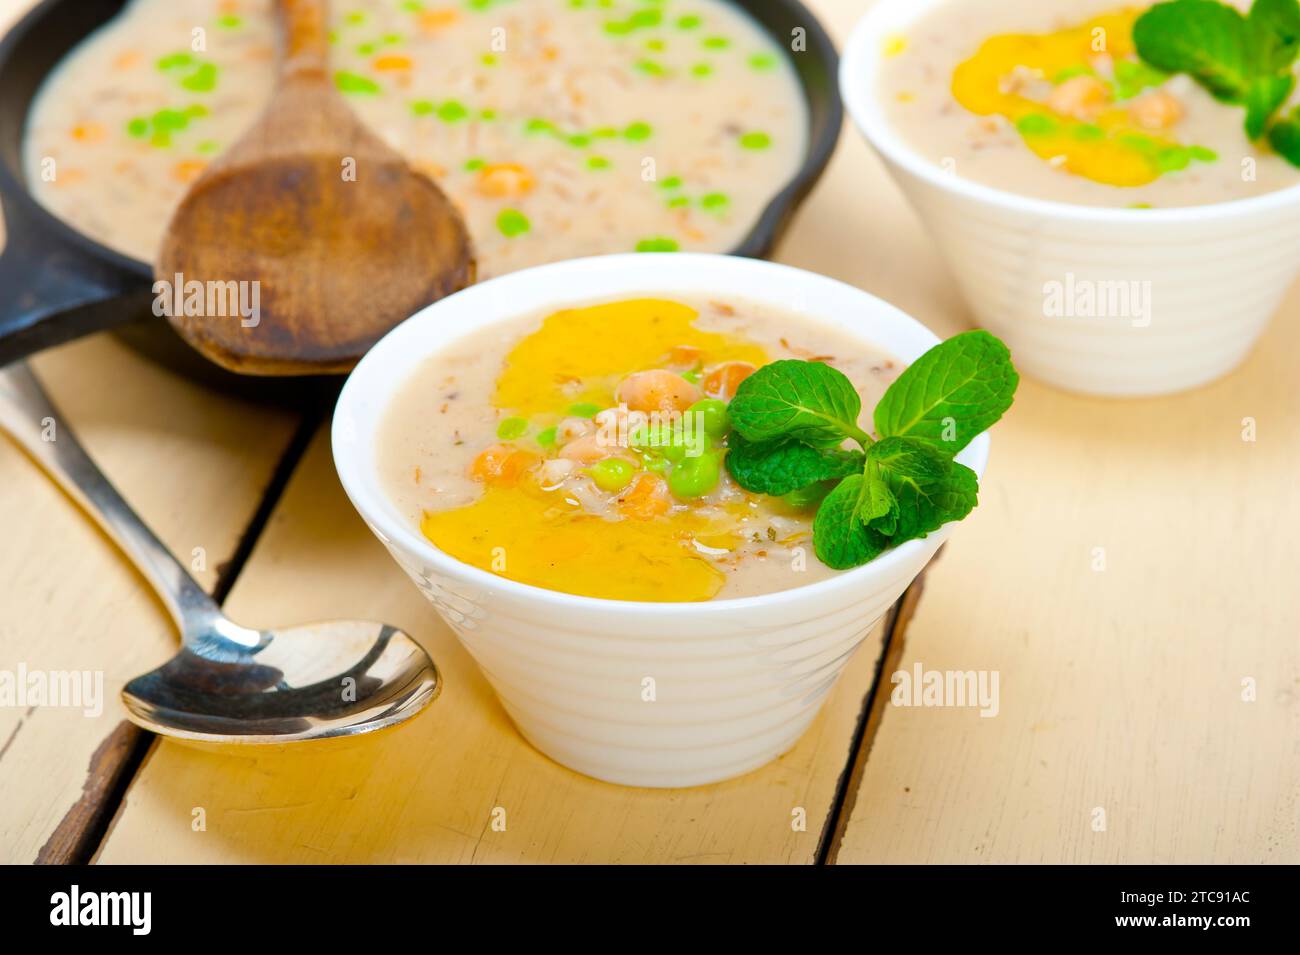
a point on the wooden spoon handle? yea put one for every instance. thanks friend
(304, 37)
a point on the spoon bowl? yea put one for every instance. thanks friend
(313, 681)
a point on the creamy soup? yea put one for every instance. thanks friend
(560, 128)
(1047, 98)
(582, 451)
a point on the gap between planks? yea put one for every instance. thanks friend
(873, 712)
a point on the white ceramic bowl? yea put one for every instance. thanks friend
(736, 681)
(1216, 273)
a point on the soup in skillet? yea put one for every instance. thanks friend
(560, 128)
(582, 451)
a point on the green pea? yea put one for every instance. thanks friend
(511, 428)
(755, 140)
(452, 111)
(656, 462)
(612, 474)
(1036, 124)
(584, 409)
(712, 414)
(665, 439)
(637, 132)
(355, 83)
(546, 437)
(658, 243)
(202, 80)
(695, 477)
(512, 223)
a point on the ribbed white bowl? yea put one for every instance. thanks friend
(1216, 273)
(735, 682)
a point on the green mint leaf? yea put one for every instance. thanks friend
(781, 465)
(1266, 94)
(1284, 137)
(876, 504)
(1204, 38)
(909, 457)
(840, 539)
(925, 507)
(808, 401)
(1274, 34)
(951, 393)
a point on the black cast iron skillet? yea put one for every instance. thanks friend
(57, 284)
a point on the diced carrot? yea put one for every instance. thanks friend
(88, 132)
(391, 61)
(499, 180)
(187, 170)
(430, 168)
(431, 21)
(685, 356)
(646, 497)
(723, 381)
(124, 61)
(502, 465)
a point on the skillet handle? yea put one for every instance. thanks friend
(52, 292)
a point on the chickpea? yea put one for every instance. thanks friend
(572, 428)
(1082, 97)
(1156, 110)
(553, 472)
(587, 449)
(657, 390)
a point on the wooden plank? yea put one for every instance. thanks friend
(426, 792)
(1130, 567)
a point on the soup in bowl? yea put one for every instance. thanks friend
(1113, 221)
(644, 616)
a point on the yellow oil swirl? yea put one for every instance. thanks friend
(1111, 149)
(541, 537)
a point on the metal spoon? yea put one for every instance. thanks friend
(228, 683)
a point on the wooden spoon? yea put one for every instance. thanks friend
(342, 238)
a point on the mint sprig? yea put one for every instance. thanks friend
(1241, 60)
(1284, 136)
(791, 418)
